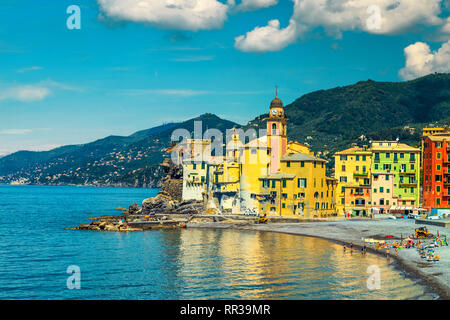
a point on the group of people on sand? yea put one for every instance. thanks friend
(425, 248)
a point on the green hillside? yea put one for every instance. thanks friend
(327, 120)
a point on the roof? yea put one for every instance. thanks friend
(276, 102)
(395, 146)
(278, 176)
(439, 137)
(260, 142)
(301, 157)
(355, 150)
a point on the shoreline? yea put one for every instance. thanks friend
(434, 275)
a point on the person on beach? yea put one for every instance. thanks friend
(351, 247)
(364, 248)
(345, 248)
(396, 251)
(387, 252)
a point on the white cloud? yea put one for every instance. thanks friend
(33, 68)
(15, 131)
(268, 38)
(190, 15)
(250, 5)
(26, 93)
(336, 16)
(421, 61)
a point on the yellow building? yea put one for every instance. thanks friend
(352, 169)
(300, 188)
(267, 174)
(255, 163)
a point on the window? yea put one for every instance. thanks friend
(284, 183)
(357, 158)
(412, 157)
(438, 189)
(388, 191)
(438, 167)
(343, 179)
(283, 205)
(388, 155)
(364, 158)
(343, 168)
(402, 155)
(375, 190)
(315, 164)
(438, 201)
(381, 189)
(412, 166)
(438, 155)
(194, 167)
(342, 189)
(301, 182)
(302, 163)
(376, 166)
(357, 168)
(342, 201)
(343, 158)
(274, 128)
(284, 195)
(202, 179)
(273, 183)
(387, 177)
(288, 164)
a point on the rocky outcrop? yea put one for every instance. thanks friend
(164, 204)
(169, 199)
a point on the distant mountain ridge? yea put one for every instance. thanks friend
(328, 120)
(131, 161)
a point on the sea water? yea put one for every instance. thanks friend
(38, 257)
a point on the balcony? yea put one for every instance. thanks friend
(408, 184)
(405, 173)
(360, 174)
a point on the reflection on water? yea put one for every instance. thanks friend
(35, 251)
(231, 264)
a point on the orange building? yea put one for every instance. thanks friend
(436, 171)
(357, 200)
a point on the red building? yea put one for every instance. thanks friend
(436, 171)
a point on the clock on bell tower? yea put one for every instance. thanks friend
(276, 133)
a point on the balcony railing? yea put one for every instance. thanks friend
(360, 174)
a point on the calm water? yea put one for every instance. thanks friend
(35, 251)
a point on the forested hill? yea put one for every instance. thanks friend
(328, 120)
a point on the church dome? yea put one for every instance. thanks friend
(276, 103)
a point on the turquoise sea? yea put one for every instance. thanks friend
(36, 250)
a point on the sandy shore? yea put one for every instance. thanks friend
(435, 274)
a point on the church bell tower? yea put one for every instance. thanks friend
(276, 133)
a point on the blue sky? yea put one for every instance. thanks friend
(128, 70)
